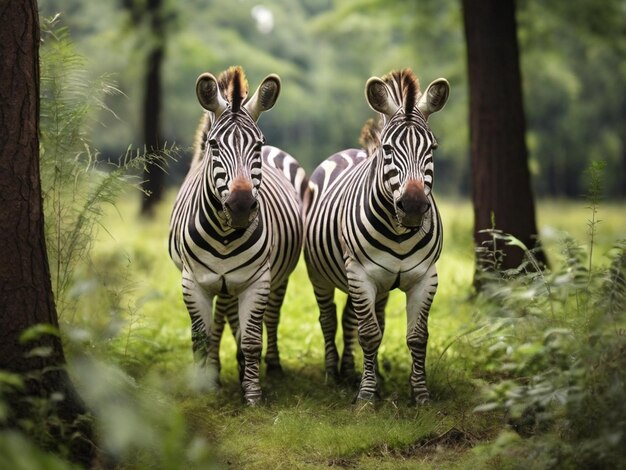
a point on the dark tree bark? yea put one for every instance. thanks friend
(154, 175)
(500, 175)
(25, 287)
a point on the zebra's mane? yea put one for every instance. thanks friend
(405, 88)
(234, 87)
(370, 136)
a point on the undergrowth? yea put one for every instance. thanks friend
(77, 188)
(553, 345)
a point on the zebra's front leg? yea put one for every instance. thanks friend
(252, 304)
(325, 296)
(199, 304)
(225, 309)
(363, 293)
(418, 301)
(271, 318)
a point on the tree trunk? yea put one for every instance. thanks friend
(500, 176)
(25, 287)
(154, 175)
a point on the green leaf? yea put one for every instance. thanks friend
(37, 331)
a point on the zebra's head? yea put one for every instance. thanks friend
(233, 142)
(406, 142)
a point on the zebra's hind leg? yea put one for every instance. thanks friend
(200, 307)
(271, 318)
(381, 303)
(419, 299)
(349, 325)
(325, 297)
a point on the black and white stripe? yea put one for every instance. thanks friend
(236, 226)
(372, 225)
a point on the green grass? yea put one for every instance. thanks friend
(130, 313)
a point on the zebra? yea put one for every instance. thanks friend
(372, 225)
(236, 229)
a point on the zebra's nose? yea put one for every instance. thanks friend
(242, 207)
(413, 204)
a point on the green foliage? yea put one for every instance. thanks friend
(554, 350)
(76, 184)
(572, 60)
(131, 425)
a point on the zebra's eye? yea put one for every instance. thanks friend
(387, 148)
(258, 146)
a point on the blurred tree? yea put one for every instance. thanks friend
(156, 16)
(574, 58)
(501, 181)
(25, 289)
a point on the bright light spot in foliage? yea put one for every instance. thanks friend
(264, 18)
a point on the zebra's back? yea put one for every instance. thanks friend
(282, 191)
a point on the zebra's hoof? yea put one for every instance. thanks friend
(254, 400)
(421, 400)
(350, 377)
(206, 379)
(332, 376)
(274, 369)
(366, 397)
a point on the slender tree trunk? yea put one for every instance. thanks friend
(25, 287)
(500, 177)
(154, 175)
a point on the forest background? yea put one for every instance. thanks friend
(572, 63)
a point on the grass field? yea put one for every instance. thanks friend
(138, 377)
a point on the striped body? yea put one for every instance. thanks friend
(372, 225)
(236, 234)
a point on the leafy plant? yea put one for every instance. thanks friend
(76, 184)
(556, 345)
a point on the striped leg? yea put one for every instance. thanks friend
(225, 309)
(381, 303)
(419, 300)
(252, 303)
(328, 320)
(271, 318)
(200, 307)
(363, 293)
(349, 326)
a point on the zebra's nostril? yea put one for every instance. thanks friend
(255, 205)
(400, 205)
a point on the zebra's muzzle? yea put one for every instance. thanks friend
(413, 205)
(241, 209)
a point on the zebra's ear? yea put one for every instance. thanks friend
(379, 98)
(264, 97)
(435, 97)
(209, 95)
